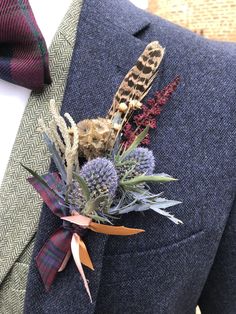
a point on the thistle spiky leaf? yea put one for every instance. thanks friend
(162, 212)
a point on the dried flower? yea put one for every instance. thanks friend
(85, 127)
(135, 104)
(148, 114)
(128, 134)
(100, 176)
(153, 106)
(122, 107)
(142, 161)
(96, 137)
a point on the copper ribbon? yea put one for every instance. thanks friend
(78, 247)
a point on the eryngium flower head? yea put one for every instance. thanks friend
(100, 176)
(142, 162)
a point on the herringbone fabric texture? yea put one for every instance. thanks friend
(20, 205)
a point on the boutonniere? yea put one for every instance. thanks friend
(103, 168)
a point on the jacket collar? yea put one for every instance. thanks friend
(121, 14)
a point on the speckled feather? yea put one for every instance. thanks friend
(138, 80)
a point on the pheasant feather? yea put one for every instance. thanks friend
(138, 80)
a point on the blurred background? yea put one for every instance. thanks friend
(213, 19)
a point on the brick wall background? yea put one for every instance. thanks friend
(215, 19)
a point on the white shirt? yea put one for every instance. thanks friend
(13, 98)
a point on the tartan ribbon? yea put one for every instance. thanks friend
(52, 255)
(67, 240)
(23, 51)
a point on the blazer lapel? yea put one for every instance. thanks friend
(20, 206)
(106, 48)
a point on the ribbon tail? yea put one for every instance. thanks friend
(65, 261)
(84, 255)
(75, 249)
(101, 228)
(46, 186)
(113, 230)
(78, 219)
(52, 254)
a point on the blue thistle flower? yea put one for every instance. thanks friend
(144, 159)
(100, 176)
(142, 162)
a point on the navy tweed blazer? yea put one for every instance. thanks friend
(169, 269)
